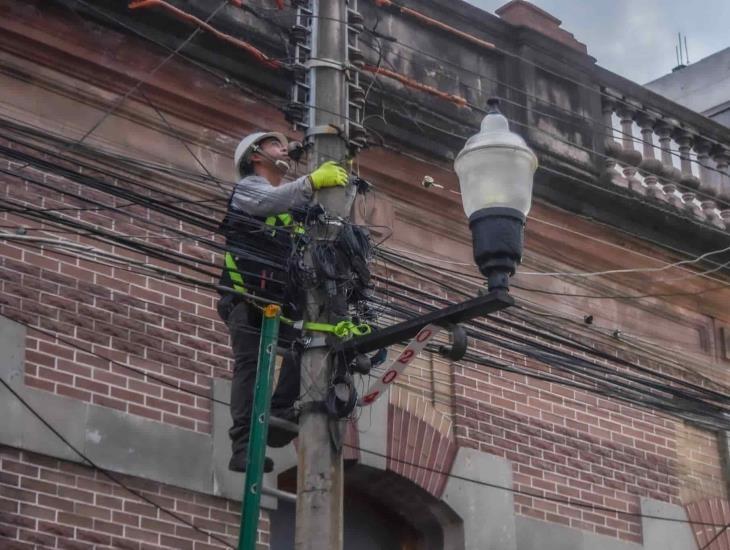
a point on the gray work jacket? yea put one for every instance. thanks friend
(255, 196)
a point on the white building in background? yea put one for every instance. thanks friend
(703, 86)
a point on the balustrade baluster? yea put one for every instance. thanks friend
(628, 155)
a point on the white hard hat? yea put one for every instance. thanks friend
(245, 148)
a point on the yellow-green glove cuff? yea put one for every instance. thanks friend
(329, 174)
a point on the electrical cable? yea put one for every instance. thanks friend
(565, 341)
(55, 231)
(624, 248)
(570, 117)
(678, 358)
(671, 212)
(562, 341)
(550, 358)
(717, 536)
(549, 498)
(723, 286)
(667, 211)
(164, 207)
(141, 81)
(110, 476)
(612, 390)
(143, 221)
(522, 273)
(181, 279)
(517, 491)
(570, 502)
(100, 157)
(181, 140)
(430, 296)
(150, 250)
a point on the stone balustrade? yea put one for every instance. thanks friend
(664, 159)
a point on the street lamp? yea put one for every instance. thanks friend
(495, 170)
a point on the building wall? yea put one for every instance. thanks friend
(557, 441)
(571, 445)
(701, 86)
(151, 325)
(700, 464)
(563, 442)
(49, 503)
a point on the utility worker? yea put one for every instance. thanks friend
(256, 264)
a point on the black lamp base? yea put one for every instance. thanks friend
(498, 235)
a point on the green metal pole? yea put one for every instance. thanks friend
(259, 428)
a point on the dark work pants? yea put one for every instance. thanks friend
(244, 325)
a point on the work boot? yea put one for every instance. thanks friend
(239, 462)
(279, 437)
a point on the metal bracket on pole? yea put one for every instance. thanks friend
(328, 63)
(251, 501)
(315, 342)
(324, 129)
(463, 311)
(278, 493)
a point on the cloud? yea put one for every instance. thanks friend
(636, 39)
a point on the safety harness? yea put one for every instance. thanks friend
(284, 220)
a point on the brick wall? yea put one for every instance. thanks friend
(420, 441)
(110, 317)
(700, 465)
(570, 445)
(48, 503)
(168, 330)
(561, 442)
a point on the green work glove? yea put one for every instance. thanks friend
(329, 174)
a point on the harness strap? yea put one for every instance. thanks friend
(343, 329)
(284, 220)
(234, 274)
(273, 221)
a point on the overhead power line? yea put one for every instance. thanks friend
(722, 286)
(567, 501)
(665, 267)
(550, 359)
(143, 79)
(109, 475)
(549, 498)
(669, 211)
(720, 266)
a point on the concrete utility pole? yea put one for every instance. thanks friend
(320, 475)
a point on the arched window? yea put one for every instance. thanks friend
(383, 511)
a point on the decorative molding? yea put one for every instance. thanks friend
(116, 441)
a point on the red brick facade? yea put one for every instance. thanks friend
(110, 317)
(562, 443)
(569, 445)
(48, 503)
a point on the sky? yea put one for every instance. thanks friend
(637, 38)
